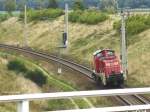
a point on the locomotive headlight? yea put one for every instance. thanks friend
(107, 64)
(116, 63)
(121, 71)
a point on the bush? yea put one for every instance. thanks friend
(37, 76)
(3, 17)
(136, 27)
(135, 24)
(90, 17)
(17, 66)
(44, 14)
(74, 16)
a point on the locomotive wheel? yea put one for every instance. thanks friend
(99, 81)
(121, 84)
(94, 77)
(104, 80)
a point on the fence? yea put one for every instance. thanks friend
(23, 100)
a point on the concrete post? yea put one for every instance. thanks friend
(123, 45)
(25, 27)
(23, 106)
(66, 22)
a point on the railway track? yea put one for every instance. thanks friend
(134, 100)
(125, 100)
(77, 67)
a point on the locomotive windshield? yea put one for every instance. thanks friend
(110, 53)
(104, 54)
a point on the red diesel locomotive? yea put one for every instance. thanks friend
(107, 68)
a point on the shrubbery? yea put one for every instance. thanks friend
(36, 76)
(3, 17)
(44, 14)
(17, 66)
(135, 24)
(87, 16)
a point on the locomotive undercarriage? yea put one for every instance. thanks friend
(116, 80)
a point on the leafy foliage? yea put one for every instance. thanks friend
(108, 6)
(52, 4)
(21, 4)
(78, 5)
(44, 14)
(10, 5)
(87, 17)
(36, 76)
(135, 24)
(3, 17)
(17, 65)
(103, 4)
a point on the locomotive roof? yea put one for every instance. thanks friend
(98, 51)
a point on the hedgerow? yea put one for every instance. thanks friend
(134, 25)
(36, 75)
(3, 17)
(90, 17)
(43, 14)
(17, 66)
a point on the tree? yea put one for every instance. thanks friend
(39, 4)
(78, 5)
(52, 4)
(10, 5)
(2, 5)
(21, 4)
(108, 5)
(134, 3)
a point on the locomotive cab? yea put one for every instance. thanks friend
(107, 68)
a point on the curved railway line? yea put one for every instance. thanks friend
(77, 67)
(124, 100)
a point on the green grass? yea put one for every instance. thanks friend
(7, 108)
(10, 84)
(51, 82)
(63, 86)
(62, 104)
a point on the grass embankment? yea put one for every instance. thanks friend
(138, 40)
(34, 73)
(5, 15)
(13, 84)
(83, 41)
(134, 25)
(139, 61)
(41, 30)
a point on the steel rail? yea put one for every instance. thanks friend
(77, 67)
(133, 100)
